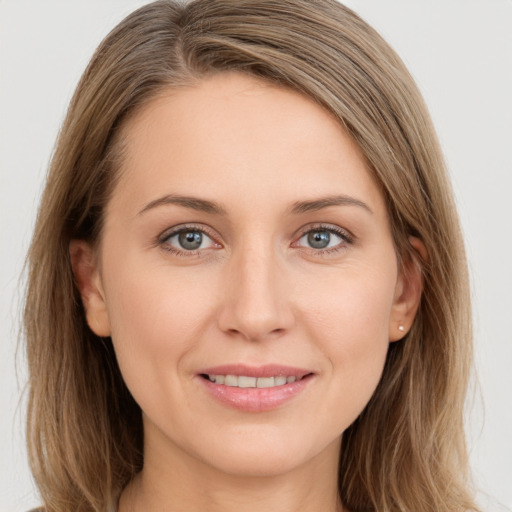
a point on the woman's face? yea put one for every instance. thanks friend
(245, 238)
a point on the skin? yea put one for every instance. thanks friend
(255, 292)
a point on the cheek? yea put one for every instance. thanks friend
(351, 304)
(350, 322)
(156, 318)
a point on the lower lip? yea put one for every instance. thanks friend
(256, 399)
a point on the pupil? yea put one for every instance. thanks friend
(190, 240)
(319, 239)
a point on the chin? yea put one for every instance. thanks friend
(249, 465)
(263, 455)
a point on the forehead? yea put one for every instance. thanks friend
(234, 137)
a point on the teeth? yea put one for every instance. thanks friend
(265, 382)
(230, 380)
(246, 382)
(243, 381)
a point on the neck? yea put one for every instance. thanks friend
(172, 480)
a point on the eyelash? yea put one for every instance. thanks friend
(347, 239)
(165, 237)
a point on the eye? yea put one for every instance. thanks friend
(187, 240)
(319, 239)
(324, 238)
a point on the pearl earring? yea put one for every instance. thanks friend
(401, 328)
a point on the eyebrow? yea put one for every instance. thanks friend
(324, 202)
(211, 207)
(193, 203)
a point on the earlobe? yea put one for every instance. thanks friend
(88, 281)
(408, 291)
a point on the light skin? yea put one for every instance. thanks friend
(296, 266)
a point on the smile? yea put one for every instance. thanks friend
(245, 381)
(255, 389)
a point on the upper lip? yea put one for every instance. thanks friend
(267, 370)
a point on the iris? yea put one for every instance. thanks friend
(190, 240)
(319, 239)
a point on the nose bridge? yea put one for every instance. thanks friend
(255, 301)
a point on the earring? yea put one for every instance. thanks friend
(401, 328)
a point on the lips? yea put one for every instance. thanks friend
(252, 388)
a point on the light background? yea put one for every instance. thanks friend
(460, 52)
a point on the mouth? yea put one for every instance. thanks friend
(255, 389)
(247, 381)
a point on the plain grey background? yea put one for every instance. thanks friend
(459, 51)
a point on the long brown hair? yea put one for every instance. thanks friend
(406, 451)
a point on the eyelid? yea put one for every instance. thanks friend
(175, 230)
(347, 237)
(185, 227)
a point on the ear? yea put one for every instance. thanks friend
(409, 288)
(88, 279)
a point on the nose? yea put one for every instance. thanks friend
(256, 301)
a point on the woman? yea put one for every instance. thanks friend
(247, 285)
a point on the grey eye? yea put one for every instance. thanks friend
(319, 239)
(323, 238)
(190, 240)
